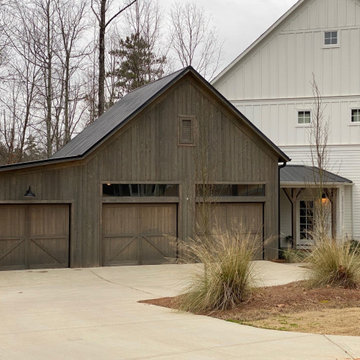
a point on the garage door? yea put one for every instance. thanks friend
(234, 217)
(34, 236)
(139, 233)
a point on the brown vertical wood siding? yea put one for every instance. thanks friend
(146, 149)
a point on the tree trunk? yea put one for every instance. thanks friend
(67, 100)
(102, 29)
(48, 85)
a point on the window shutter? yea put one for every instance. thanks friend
(186, 131)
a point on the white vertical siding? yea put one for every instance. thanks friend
(285, 218)
(347, 213)
(281, 66)
(278, 119)
(273, 82)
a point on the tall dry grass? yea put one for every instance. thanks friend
(226, 279)
(334, 264)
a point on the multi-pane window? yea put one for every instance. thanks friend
(304, 117)
(140, 190)
(222, 190)
(331, 37)
(306, 219)
(355, 115)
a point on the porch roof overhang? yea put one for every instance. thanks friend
(309, 176)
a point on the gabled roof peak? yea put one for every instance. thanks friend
(258, 40)
(125, 110)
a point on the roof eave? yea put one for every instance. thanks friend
(286, 184)
(38, 163)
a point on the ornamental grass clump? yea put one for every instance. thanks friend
(226, 278)
(334, 264)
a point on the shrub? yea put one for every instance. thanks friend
(334, 264)
(294, 255)
(355, 246)
(227, 275)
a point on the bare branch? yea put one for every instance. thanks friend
(118, 13)
(193, 39)
(93, 10)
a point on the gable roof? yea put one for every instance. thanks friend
(123, 111)
(114, 117)
(258, 40)
(301, 174)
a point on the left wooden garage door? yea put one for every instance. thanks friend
(34, 236)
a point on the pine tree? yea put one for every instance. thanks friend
(137, 65)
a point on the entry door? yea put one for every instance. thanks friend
(139, 233)
(308, 215)
(34, 236)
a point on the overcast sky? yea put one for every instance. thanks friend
(240, 22)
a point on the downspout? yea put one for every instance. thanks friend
(279, 189)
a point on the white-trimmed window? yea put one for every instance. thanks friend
(304, 117)
(355, 116)
(331, 38)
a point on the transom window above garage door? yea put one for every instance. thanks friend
(140, 190)
(230, 190)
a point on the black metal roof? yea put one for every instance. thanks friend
(113, 118)
(124, 110)
(301, 174)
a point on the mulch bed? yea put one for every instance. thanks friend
(291, 298)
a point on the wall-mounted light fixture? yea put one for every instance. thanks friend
(324, 199)
(29, 193)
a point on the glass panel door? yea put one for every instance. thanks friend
(306, 223)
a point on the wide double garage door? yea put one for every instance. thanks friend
(34, 236)
(147, 233)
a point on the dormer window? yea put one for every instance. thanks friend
(331, 38)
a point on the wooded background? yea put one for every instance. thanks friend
(64, 62)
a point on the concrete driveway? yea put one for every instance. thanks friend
(93, 314)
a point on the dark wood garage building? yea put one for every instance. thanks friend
(129, 185)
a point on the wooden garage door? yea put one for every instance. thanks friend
(139, 233)
(237, 217)
(34, 236)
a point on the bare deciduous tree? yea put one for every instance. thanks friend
(45, 41)
(193, 39)
(319, 133)
(71, 25)
(144, 19)
(100, 9)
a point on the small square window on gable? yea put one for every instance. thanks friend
(331, 38)
(355, 116)
(186, 130)
(304, 117)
